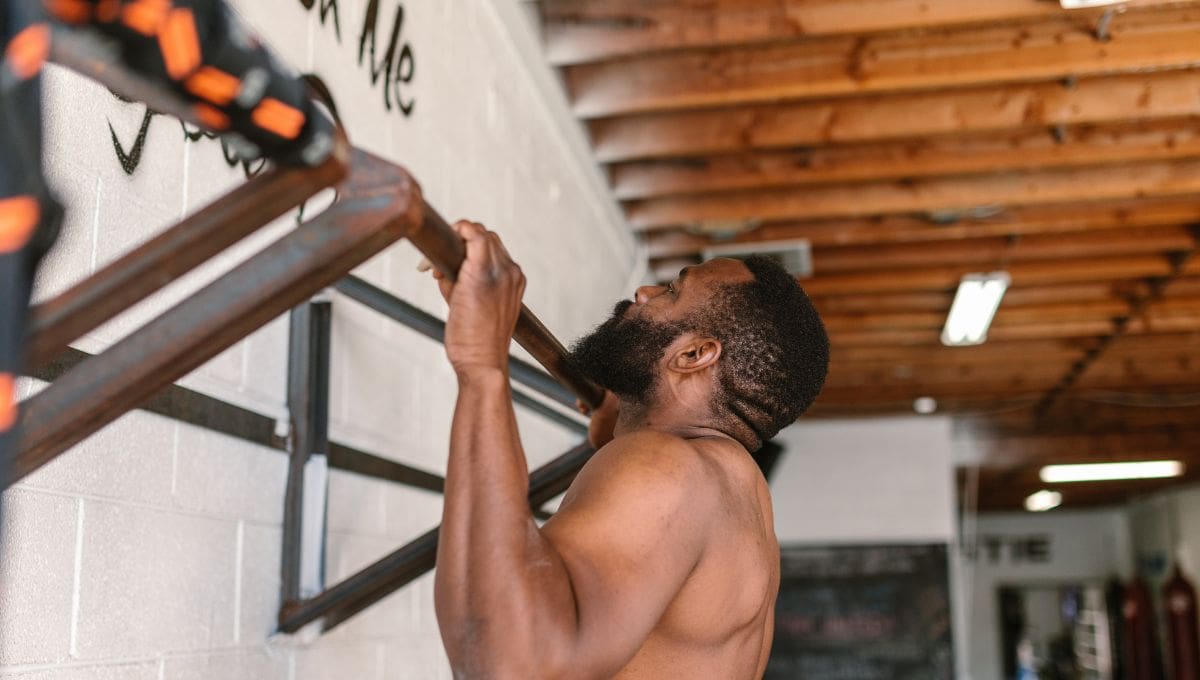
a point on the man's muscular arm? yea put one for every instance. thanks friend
(577, 598)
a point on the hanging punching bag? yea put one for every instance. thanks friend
(1179, 598)
(1137, 619)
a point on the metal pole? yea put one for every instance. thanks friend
(379, 206)
(173, 253)
(394, 571)
(308, 404)
(445, 249)
(432, 327)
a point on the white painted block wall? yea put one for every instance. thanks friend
(1084, 546)
(151, 551)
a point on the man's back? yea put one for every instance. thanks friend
(720, 622)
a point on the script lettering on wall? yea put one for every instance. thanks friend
(398, 65)
(327, 8)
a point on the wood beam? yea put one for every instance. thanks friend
(581, 31)
(1148, 96)
(1102, 310)
(1079, 146)
(991, 253)
(895, 229)
(946, 278)
(1016, 386)
(1017, 452)
(988, 253)
(1079, 293)
(1009, 494)
(993, 351)
(1055, 48)
(1134, 180)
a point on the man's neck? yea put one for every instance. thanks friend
(679, 422)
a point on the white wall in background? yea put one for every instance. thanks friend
(1025, 548)
(870, 481)
(152, 549)
(886, 480)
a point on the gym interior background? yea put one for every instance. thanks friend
(888, 148)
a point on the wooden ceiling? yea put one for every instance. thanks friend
(911, 142)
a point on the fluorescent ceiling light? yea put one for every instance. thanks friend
(1080, 4)
(1098, 472)
(974, 307)
(1043, 500)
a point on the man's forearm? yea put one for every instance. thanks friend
(494, 569)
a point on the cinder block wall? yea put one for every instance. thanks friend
(151, 551)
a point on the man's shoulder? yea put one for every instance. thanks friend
(647, 461)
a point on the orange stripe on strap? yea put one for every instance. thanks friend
(274, 116)
(73, 11)
(180, 44)
(8, 402)
(211, 118)
(28, 51)
(18, 218)
(214, 85)
(145, 16)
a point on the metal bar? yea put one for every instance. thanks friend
(173, 253)
(445, 249)
(432, 327)
(394, 571)
(378, 207)
(549, 413)
(308, 404)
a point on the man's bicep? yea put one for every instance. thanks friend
(629, 539)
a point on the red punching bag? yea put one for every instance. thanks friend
(1137, 626)
(1179, 599)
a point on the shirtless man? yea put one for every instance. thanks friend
(662, 560)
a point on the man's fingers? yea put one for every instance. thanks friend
(425, 265)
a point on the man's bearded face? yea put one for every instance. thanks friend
(622, 355)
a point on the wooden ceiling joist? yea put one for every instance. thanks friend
(1010, 452)
(1132, 180)
(1079, 146)
(993, 351)
(1148, 96)
(946, 278)
(897, 229)
(995, 252)
(581, 31)
(1073, 294)
(1058, 47)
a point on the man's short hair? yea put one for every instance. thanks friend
(775, 351)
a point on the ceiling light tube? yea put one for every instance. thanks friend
(1100, 472)
(1043, 500)
(974, 307)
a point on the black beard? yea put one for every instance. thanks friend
(622, 355)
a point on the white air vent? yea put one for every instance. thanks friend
(1081, 4)
(795, 255)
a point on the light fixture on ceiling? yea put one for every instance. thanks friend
(1081, 4)
(925, 405)
(1043, 500)
(794, 255)
(974, 306)
(1101, 472)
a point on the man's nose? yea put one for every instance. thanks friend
(644, 293)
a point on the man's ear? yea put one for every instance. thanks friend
(693, 353)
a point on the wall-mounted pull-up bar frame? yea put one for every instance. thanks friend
(378, 204)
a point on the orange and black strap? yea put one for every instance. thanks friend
(28, 213)
(202, 52)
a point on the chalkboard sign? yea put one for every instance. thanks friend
(863, 613)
